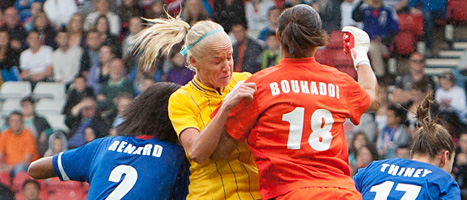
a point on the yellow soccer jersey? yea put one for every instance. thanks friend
(233, 178)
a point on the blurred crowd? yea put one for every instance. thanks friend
(87, 46)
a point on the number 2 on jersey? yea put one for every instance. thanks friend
(131, 175)
(320, 137)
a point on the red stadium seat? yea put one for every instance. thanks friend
(404, 43)
(335, 40)
(44, 190)
(19, 195)
(343, 62)
(69, 194)
(412, 23)
(341, 59)
(5, 179)
(324, 56)
(18, 181)
(71, 190)
(457, 10)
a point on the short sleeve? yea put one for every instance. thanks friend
(242, 118)
(452, 192)
(181, 113)
(76, 164)
(358, 179)
(358, 101)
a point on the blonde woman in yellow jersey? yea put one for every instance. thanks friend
(209, 53)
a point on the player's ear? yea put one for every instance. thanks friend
(278, 37)
(444, 158)
(192, 61)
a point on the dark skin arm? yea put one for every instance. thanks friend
(226, 145)
(42, 168)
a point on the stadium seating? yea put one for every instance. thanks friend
(49, 106)
(70, 190)
(18, 181)
(343, 62)
(10, 105)
(335, 40)
(324, 56)
(411, 22)
(5, 178)
(404, 43)
(15, 89)
(57, 121)
(457, 11)
(53, 90)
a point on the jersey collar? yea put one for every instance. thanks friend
(198, 85)
(144, 137)
(297, 60)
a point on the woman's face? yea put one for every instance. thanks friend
(135, 25)
(102, 26)
(214, 66)
(359, 141)
(80, 84)
(105, 54)
(445, 83)
(393, 121)
(57, 146)
(4, 38)
(41, 21)
(89, 134)
(76, 23)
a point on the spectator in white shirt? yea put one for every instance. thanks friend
(347, 7)
(449, 96)
(103, 8)
(66, 59)
(256, 12)
(36, 62)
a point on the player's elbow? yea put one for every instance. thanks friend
(197, 157)
(34, 171)
(374, 104)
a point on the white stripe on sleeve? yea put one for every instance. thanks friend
(60, 168)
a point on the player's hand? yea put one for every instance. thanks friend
(239, 92)
(357, 43)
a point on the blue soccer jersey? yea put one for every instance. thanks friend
(127, 167)
(405, 179)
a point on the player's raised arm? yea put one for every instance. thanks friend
(42, 168)
(357, 43)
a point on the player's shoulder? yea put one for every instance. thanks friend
(266, 74)
(239, 76)
(336, 75)
(181, 93)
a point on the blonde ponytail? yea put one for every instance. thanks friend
(159, 38)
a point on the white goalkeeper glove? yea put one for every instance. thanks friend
(357, 43)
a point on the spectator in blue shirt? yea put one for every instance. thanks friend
(381, 23)
(431, 10)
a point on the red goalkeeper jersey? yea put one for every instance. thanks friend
(294, 125)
